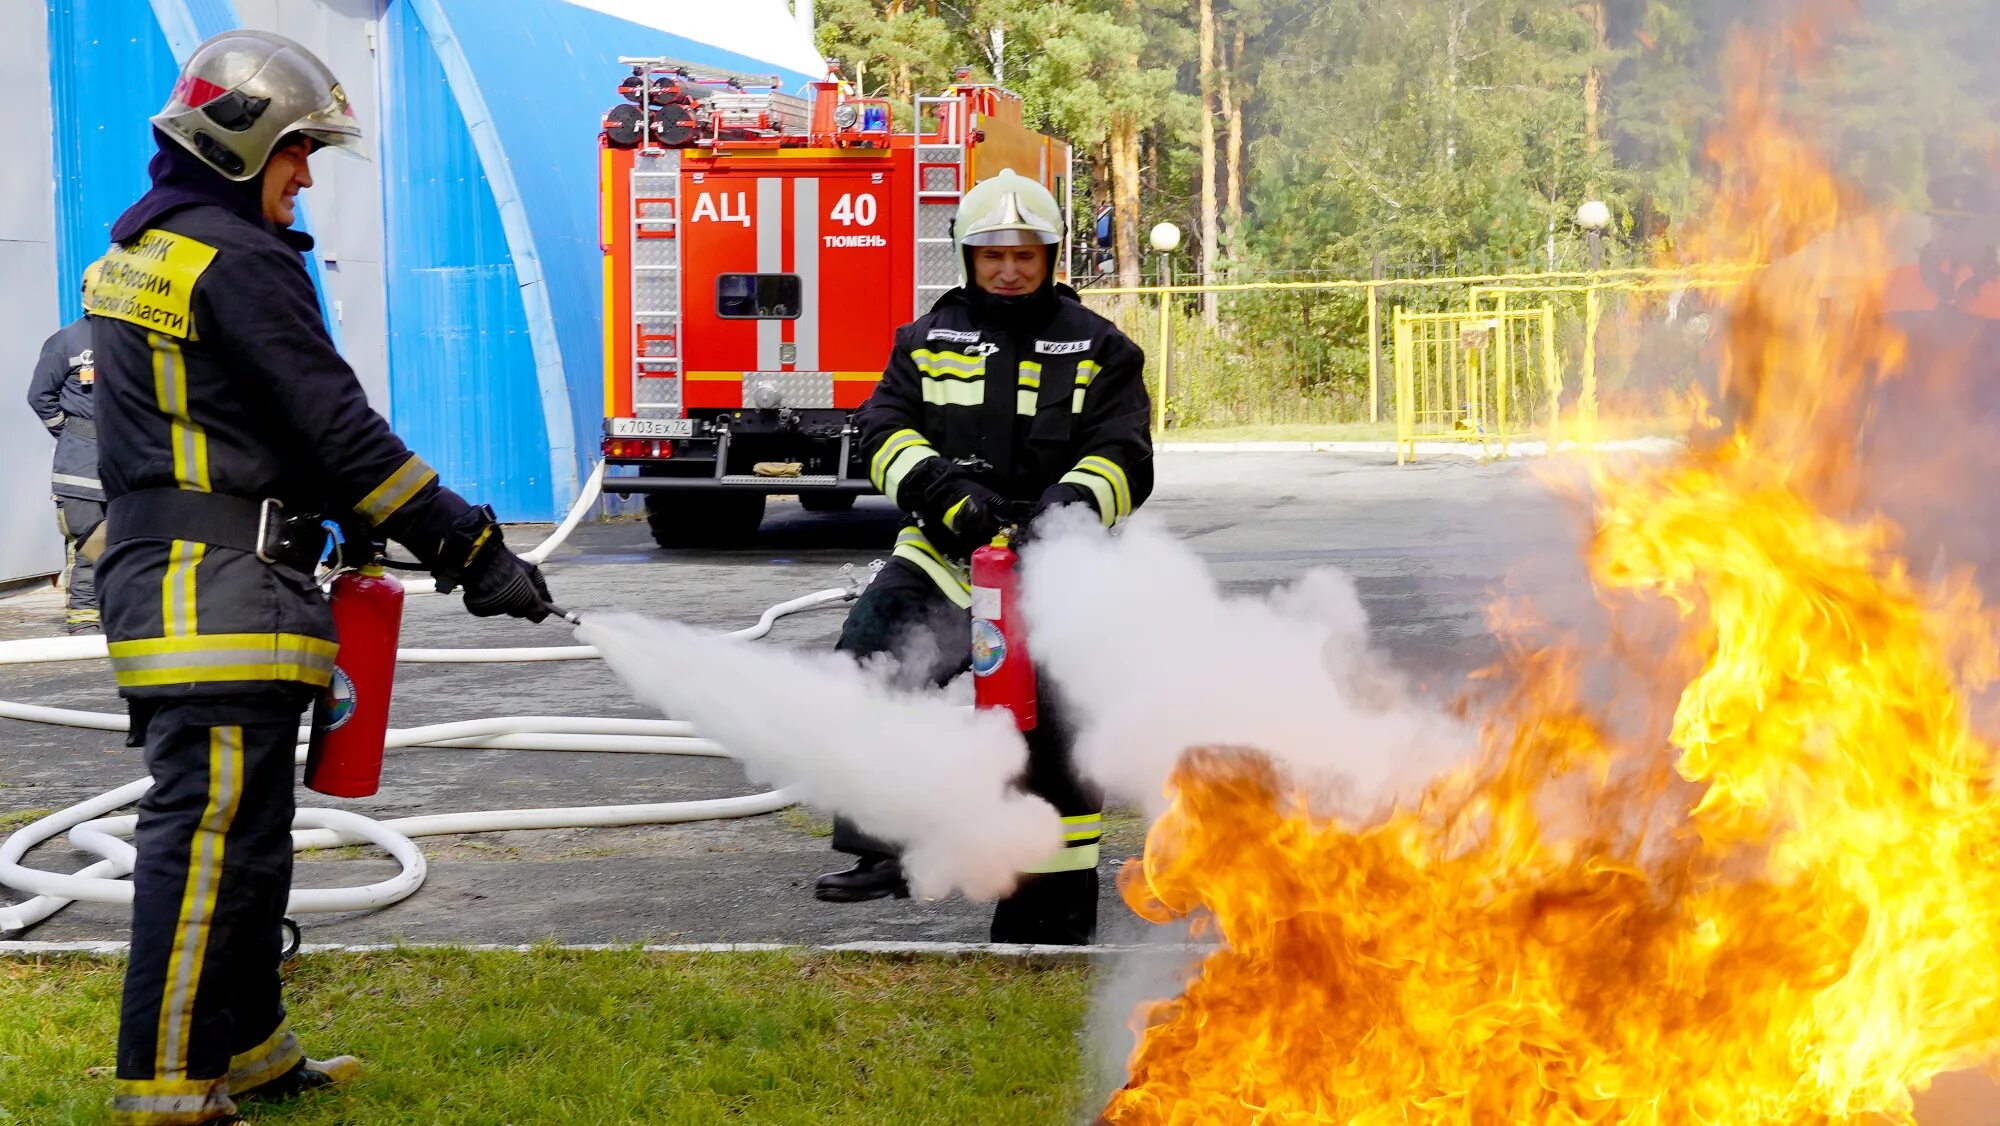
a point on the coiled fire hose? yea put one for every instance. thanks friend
(94, 831)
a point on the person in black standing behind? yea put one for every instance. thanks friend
(60, 394)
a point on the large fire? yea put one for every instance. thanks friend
(1781, 905)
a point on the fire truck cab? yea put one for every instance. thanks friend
(760, 251)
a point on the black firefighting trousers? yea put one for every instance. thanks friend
(904, 615)
(78, 518)
(202, 1017)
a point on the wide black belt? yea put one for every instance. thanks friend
(263, 528)
(86, 427)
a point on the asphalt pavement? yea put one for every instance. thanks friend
(1428, 545)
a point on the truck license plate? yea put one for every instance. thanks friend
(652, 428)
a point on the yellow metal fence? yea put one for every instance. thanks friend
(1475, 376)
(1329, 351)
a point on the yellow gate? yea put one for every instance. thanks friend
(1474, 376)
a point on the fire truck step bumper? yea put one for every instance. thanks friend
(810, 481)
(737, 482)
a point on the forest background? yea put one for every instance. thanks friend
(1295, 140)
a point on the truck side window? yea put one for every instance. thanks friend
(758, 296)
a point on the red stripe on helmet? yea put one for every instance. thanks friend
(197, 91)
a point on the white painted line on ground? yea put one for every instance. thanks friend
(917, 949)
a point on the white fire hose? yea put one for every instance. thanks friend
(93, 831)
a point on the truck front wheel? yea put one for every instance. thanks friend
(704, 519)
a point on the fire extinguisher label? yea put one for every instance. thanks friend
(343, 699)
(986, 602)
(989, 647)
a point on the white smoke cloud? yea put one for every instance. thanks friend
(1155, 660)
(908, 767)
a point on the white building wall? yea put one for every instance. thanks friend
(345, 202)
(29, 545)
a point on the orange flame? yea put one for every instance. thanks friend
(1788, 914)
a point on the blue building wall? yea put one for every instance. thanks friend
(488, 145)
(461, 373)
(547, 72)
(110, 69)
(112, 64)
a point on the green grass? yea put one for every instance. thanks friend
(806, 822)
(614, 1037)
(20, 817)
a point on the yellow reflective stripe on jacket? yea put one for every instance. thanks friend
(1083, 836)
(1083, 827)
(949, 365)
(218, 658)
(1113, 472)
(396, 491)
(950, 379)
(902, 452)
(954, 392)
(1106, 481)
(1027, 387)
(177, 588)
(1086, 371)
(170, 393)
(951, 580)
(951, 514)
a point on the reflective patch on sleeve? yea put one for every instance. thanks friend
(150, 282)
(389, 497)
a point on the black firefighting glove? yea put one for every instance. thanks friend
(972, 521)
(497, 581)
(1059, 494)
(507, 584)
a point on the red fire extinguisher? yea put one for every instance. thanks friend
(1004, 677)
(346, 756)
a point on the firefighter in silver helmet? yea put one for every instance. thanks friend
(1007, 400)
(233, 433)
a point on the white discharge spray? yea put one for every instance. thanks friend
(1155, 660)
(912, 768)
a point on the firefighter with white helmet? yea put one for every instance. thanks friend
(1007, 400)
(233, 433)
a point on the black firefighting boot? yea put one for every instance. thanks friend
(1053, 909)
(875, 876)
(306, 1075)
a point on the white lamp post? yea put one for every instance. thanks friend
(1165, 238)
(1593, 217)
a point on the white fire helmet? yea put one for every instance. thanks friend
(244, 91)
(1008, 210)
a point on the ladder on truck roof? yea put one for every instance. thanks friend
(940, 184)
(656, 283)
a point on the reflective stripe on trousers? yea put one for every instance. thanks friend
(201, 1014)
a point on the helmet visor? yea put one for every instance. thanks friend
(1011, 236)
(334, 127)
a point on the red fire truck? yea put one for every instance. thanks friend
(760, 251)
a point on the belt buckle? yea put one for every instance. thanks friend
(270, 530)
